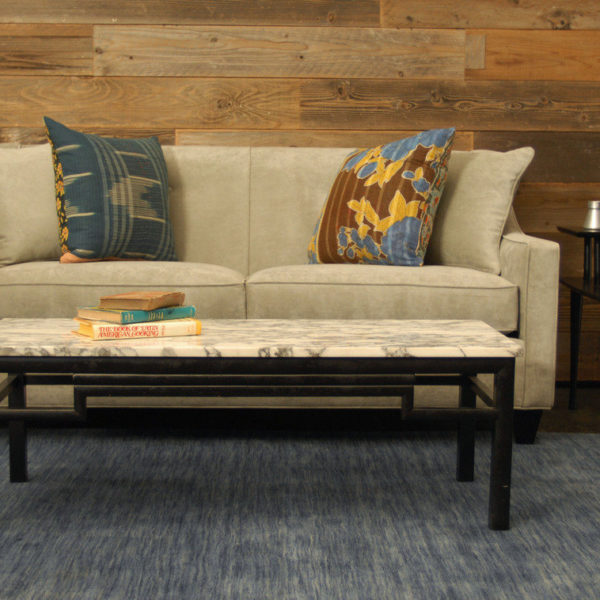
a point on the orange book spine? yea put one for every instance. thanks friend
(100, 330)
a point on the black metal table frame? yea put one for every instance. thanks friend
(580, 287)
(314, 376)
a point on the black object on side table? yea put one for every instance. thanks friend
(587, 285)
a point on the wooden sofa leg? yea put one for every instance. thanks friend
(526, 425)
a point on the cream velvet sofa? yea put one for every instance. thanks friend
(243, 218)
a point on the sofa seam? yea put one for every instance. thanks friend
(398, 285)
(89, 285)
(249, 225)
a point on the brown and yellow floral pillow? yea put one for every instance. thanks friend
(381, 207)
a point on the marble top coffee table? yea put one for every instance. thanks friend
(274, 357)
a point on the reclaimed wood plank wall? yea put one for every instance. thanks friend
(328, 72)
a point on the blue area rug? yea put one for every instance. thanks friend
(125, 515)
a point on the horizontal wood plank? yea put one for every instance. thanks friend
(559, 156)
(279, 52)
(540, 207)
(504, 14)
(360, 13)
(589, 357)
(470, 106)
(189, 137)
(539, 55)
(134, 102)
(37, 135)
(45, 49)
(257, 103)
(316, 138)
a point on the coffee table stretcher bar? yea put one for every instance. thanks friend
(205, 365)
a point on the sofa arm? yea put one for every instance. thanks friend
(533, 264)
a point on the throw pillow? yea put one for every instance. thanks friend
(474, 208)
(381, 207)
(111, 196)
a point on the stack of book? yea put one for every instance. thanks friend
(138, 315)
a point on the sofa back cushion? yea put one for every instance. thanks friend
(27, 205)
(288, 187)
(208, 193)
(475, 206)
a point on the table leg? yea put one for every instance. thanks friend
(502, 438)
(576, 311)
(465, 455)
(17, 432)
(596, 260)
(587, 258)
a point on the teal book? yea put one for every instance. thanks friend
(124, 316)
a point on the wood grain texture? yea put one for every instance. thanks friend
(45, 49)
(360, 13)
(279, 51)
(37, 135)
(316, 138)
(559, 157)
(589, 358)
(571, 252)
(475, 50)
(502, 14)
(539, 55)
(470, 106)
(134, 102)
(540, 207)
(277, 103)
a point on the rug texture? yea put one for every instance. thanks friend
(122, 515)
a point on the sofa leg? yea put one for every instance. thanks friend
(526, 425)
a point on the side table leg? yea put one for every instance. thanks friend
(576, 311)
(17, 433)
(500, 472)
(465, 455)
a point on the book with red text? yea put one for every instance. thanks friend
(105, 330)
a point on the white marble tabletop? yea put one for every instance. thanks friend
(270, 338)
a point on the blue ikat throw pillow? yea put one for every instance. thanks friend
(111, 196)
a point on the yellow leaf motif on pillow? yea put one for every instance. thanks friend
(398, 209)
(379, 175)
(371, 156)
(364, 210)
(435, 152)
(363, 230)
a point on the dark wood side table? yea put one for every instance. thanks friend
(589, 286)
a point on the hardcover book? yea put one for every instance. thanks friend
(105, 330)
(123, 316)
(142, 300)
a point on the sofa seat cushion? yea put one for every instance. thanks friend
(52, 289)
(382, 292)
